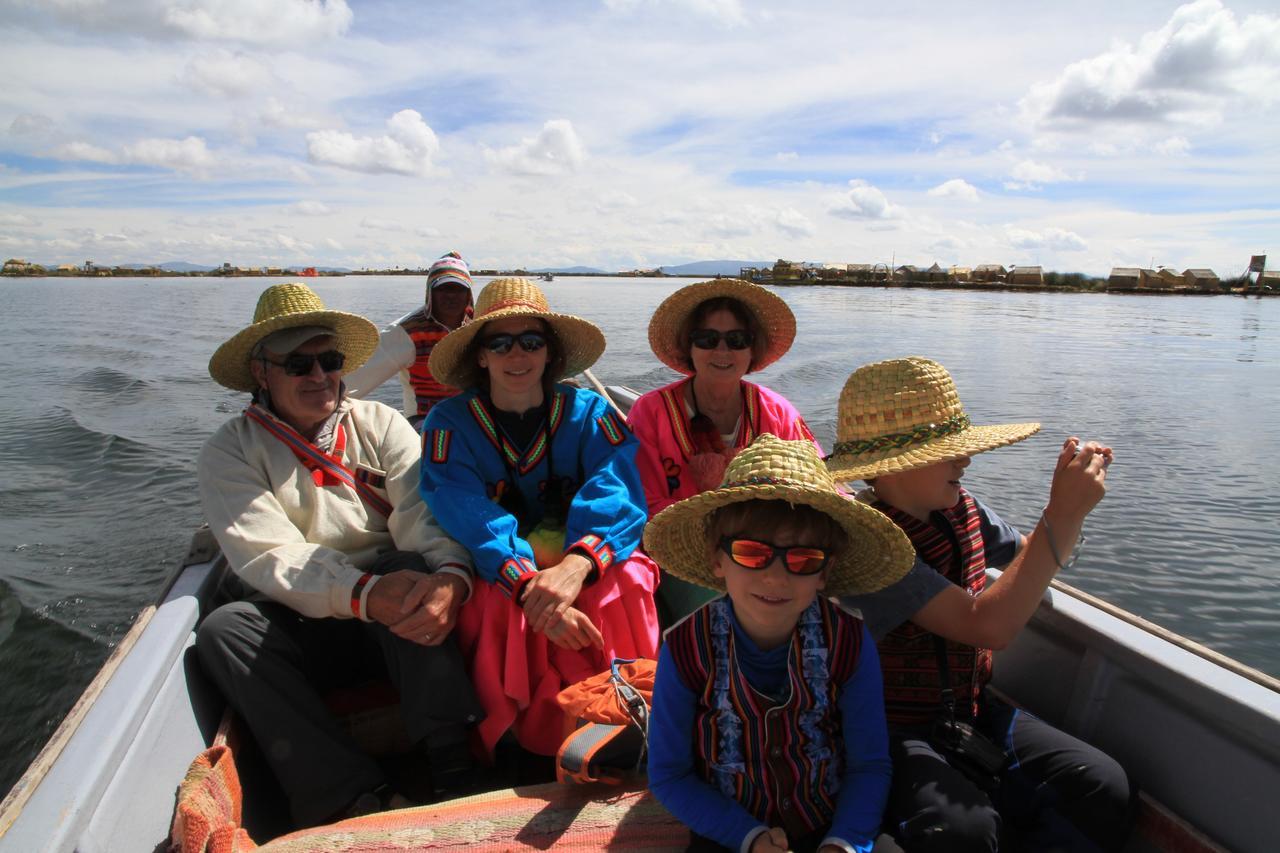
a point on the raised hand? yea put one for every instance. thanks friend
(1079, 479)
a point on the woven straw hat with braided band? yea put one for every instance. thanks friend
(878, 553)
(905, 413)
(771, 312)
(286, 306)
(580, 340)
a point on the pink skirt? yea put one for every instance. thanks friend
(517, 672)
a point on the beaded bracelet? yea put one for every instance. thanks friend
(1075, 551)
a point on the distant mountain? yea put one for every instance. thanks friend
(181, 266)
(713, 267)
(574, 270)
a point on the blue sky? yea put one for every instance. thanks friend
(633, 133)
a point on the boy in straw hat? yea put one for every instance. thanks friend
(902, 429)
(405, 346)
(767, 731)
(538, 479)
(313, 497)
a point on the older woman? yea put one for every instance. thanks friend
(538, 480)
(714, 332)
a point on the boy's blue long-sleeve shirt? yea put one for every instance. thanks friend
(464, 474)
(864, 787)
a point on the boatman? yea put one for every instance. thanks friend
(405, 346)
(313, 497)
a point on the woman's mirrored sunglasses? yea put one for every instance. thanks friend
(502, 344)
(710, 338)
(299, 364)
(756, 555)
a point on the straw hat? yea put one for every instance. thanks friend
(286, 306)
(878, 553)
(905, 413)
(580, 340)
(771, 313)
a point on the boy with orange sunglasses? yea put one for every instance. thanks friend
(767, 731)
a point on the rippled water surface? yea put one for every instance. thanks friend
(107, 400)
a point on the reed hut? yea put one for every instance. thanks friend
(1202, 279)
(1026, 275)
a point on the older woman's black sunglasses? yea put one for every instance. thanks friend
(710, 338)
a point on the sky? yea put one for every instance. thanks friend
(623, 134)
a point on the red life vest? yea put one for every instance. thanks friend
(908, 653)
(425, 334)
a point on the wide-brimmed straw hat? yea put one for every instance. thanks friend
(581, 341)
(877, 554)
(905, 413)
(771, 313)
(286, 306)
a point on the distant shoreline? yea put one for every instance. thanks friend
(908, 285)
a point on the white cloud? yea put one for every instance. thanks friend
(1050, 238)
(312, 208)
(274, 113)
(408, 148)
(19, 220)
(1190, 70)
(793, 222)
(786, 156)
(373, 223)
(83, 151)
(227, 74)
(725, 12)
(1174, 146)
(190, 154)
(252, 21)
(556, 150)
(31, 124)
(863, 201)
(956, 188)
(182, 155)
(611, 201)
(1031, 175)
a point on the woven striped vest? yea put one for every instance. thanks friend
(781, 762)
(425, 334)
(908, 654)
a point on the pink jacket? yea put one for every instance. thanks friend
(660, 420)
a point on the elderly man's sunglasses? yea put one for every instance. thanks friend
(756, 555)
(710, 338)
(299, 364)
(502, 344)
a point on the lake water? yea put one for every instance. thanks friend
(107, 400)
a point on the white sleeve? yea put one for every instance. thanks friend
(395, 353)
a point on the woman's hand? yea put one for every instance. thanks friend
(773, 841)
(549, 593)
(1079, 480)
(574, 631)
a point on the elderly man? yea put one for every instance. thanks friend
(313, 497)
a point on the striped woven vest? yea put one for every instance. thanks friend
(908, 654)
(781, 762)
(425, 334)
